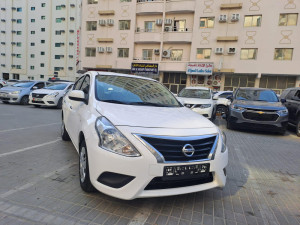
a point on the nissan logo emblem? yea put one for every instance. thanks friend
(188, 150)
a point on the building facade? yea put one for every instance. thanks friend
(39, 39)
(219, 44)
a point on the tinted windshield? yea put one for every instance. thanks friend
(23, 85)
(133, 91)
(56, 86)
(195, 93)
(257, 95)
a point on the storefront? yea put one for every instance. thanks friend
(235, 80)
(277, 82)
(174, 81)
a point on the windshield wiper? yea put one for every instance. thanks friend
(114, 101)
(148, 103)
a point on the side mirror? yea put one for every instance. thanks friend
(34, 88)
(215, 97)
(76, 95)
(283, 100)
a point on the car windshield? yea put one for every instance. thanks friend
(195, 93)
(257, 95)
(133, 91)
(24, 84)
(56, 86)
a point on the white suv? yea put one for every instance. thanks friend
(135, 139)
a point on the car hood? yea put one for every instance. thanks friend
(11, 89)
(259, 105)
(152, 117)
(46, 91)
(194, 100)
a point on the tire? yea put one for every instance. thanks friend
(84, 174)
(222, 109)
(298, 127)
(24, 100)
(59, 103)
(37, 106)
(229, 125)
(1, 86)
(64, 133)
(5, 102)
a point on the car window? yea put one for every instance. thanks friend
(86, 85)
(39, 85)
(225, 95)
(291, 94)
(297, 96)
(195, 93)
(78, 83)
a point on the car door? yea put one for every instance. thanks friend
(290, 105)
(78, 111)
(294, 102)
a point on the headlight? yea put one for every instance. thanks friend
(238, 108)
(113, 140)
(222, 138)
(284, 111)
(16, 92)
(54, 94)
(202, 106)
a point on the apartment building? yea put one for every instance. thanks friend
(39, 39)
(220, 44)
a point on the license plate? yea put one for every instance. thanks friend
(2, 95)
(186, 171)
(36, 99)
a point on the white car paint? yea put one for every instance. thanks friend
(132, 120)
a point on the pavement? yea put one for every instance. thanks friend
(39, 180)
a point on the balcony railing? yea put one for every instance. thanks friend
(140, 1)
(177, 29)
(138, 30)
(154, 58)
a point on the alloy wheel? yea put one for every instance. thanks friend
(82, 164)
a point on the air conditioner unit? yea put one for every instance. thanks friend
(102, 22)
(158, 22)
(3, 9)
(219, 50)
(3, 20)
(3, 31)
(71, 56)
(13, 43)
(109, 49)
(223, 18)
(231, 51)
(110, 22)
(62, 31)
(3, 65)
(13, 8)
(3, 54)
(62, 44)
(71, 31)
(101, 49)
(13, 20)
(72, 18)
(71, 43)
(156, 51)
(166, 53)
(13, 54)
(2, 43)
(168, 21)
(168, 28)
(63, 6)
(13, 31)
(235, 17)
(138, 29)
(72, 5)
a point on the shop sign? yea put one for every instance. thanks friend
(144, 68)
(199, 68)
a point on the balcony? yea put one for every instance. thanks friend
(180, 6)
(149, 7)
(106, 12)
(147, 36)
(227, 38)
(172, 34)
(105, 40)
(231, 6)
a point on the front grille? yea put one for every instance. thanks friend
(41, 102)
(159, 183)
(265, 116)
(4, 99)
(171, 149)
(34, 95)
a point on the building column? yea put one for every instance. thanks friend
(222, 82)
(257, 80)
(298, 81)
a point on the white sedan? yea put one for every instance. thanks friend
(51, 95)
(136, 140)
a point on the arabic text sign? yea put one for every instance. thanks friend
(144, 68)
(200, 68)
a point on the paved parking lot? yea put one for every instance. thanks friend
(39, 180)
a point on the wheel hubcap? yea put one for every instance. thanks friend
(82, 164)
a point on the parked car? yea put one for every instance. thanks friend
(257, 108)
(200, 100)
(19, 92)
(12, 82)
(135, 139)
(3, 83)
(51, 95)
(291, 99)
(222, 102)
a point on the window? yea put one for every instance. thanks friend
(207, 22)
(91, 25)
(32, 20)
(57, 68)
(42, 65)
(32, 56)
(43, 4)
(19, 44)
(283, 54)
(32, 32)
(203, 53)
(125, 0)
(19, 9)
(123, 52)
(124, 24)
(147, 54)
(252, 21)
(248, 53)
(57, 44)
(43, 29)
(90, 52)
(176, 54)
(32, 8)
(288, 19)
(32, 44)
(86, 86)
(19, 21)
(92, 1)
(149, 26)
(19, 56)
(42, 41)
(42, 53)
(42, 76)
(179, 25)
(277, 83)
(175, 82)
(58, 7)
(78, 84)
(43, 17)
(19, 67)
(57, 56)
(58, 20)
(19, 32)
(32, 67)
(57, 32)
(16, 76)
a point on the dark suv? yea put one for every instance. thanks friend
(257, 108)
(291, 99)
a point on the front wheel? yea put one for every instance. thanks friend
(84, 174)
(24, 100)
(298, 127)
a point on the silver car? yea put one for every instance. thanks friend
(19, 92)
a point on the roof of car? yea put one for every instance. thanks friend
(95, 73)
(254, 88)
(199, 88)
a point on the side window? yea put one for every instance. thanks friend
(78, 83)
(297, 96)
(39, 85)
(86, 85)
(291, 94)
(225, 95)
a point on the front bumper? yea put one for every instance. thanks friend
(146, 168)
(47, 100)
(206, 112)
(11, 98)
